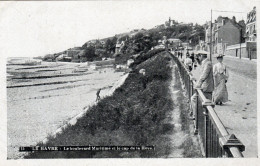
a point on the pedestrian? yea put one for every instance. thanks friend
(98, 97)
(187, 54)
(144, 78)
(206, 79)
(195, 63)
(188, 63)
(181, 54)
(192, 58)
(205, 82)
(220, 75)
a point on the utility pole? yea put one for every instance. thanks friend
(240, 41)
(210, 48)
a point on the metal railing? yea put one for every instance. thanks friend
(214, 139)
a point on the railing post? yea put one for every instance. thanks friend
(230, 141)
(206, 125)
(192, 89)
(205, 132)
(189, 89)
(196, 113)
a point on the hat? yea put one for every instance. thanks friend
(202, 52)
(219, 56)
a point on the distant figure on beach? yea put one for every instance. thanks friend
(221, 75)
(98, 97)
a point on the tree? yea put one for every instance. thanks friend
(89, 53)
(113, 44)
(108, 45)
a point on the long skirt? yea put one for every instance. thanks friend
(220, 93)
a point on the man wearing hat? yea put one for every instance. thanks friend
(205, 82)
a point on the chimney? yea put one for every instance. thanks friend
(234, 19)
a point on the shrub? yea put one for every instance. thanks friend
(122, 58)
(133, 115)
(143, 57)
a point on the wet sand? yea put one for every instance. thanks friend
(40, 106)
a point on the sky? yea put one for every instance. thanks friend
(30, 28)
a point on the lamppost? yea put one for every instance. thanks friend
(240, 41)
(210, 48)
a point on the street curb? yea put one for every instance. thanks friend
(246, 59)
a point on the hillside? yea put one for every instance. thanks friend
(132, 42)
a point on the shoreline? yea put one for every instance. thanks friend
(73, 121)
(41, 108)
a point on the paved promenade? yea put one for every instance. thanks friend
(239, 114)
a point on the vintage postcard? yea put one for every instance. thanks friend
(129, 82)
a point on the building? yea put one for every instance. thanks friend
(73, 51)
(119, 46)
(102, 43)
(185, 45)
(246, 49)
(92, 43)
(207, 32)
(159, 26)
(173, 44)
(159, 46)
(147, 37)
(172, 41)
(225, 32)
(251, 26)
(201, 46)
(170, 22)
(164, 40)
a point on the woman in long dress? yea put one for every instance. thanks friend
(220, 74)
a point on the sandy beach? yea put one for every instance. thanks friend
(43, 98)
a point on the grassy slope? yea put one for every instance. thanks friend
(190, 144)
(136, 114)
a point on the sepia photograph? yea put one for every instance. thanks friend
(174, 80)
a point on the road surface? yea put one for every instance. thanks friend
(239, 114)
